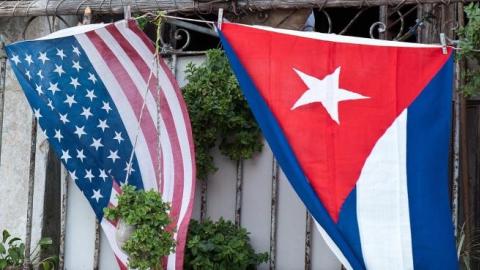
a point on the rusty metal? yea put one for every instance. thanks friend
(96, 252)
(273, 214)
(308, 241)
(31, 182)
(203, 199)
(238, 193)
(63, 218)
(3, 77)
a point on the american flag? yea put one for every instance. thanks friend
(114, 114)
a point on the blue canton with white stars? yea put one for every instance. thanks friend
(77, 115)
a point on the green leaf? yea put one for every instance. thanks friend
(46, 241)
(5, 235)
(13, 240)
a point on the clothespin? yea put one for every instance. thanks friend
(443, 41)
(127, 12)
(220, 18)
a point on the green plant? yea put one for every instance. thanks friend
(220, 245)
(12, 253)
(469, 43)
(218, 111)
(152, 239)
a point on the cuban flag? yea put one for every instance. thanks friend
(361, 129)
(114, 114)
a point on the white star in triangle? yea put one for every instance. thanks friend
(76, 50)
(90, 94)
(28, 75)
(53, 87)
(36, 113)
(58, 135)
(113, 156)
(325, 91)
(59, 70)
(103, 175)
(118, 137)
(86, 112)
(63, 118)
(76, 65)
(97, 143)
(43, 57)
(70, 100)
(89, 175)
(129, 168)
(60, 53)
(92, 78)
(65, 156)
(50, 104)
(38, 88)
(73, 176)
(106, 106)
(80, 155)
(97, 195)
(15, 59)
(80, 131)
(74, 82)
(28, 58)
(102, 124)
(40, 75)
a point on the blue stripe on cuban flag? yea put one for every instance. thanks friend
(397, 216)
(77, 114)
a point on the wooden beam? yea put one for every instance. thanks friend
(74, 7)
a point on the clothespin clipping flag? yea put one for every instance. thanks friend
(114, 115)
(361, 129)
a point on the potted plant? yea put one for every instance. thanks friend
(12, 253)
(143, 230)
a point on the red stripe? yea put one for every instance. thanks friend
(145, 73)
(169, 123)
(130, 91)
(182, 229)
(166, 114)
(120, 264)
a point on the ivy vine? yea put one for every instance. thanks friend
(470, 43)
(219, 113)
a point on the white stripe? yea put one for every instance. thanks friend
(121, 102)
(345, 39)
(333, 247)
(382, 202)
(175, 108)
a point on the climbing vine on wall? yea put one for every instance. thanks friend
(470, 43)
(219, 113)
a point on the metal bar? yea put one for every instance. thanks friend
(238, 193)
(31, 182)
(75, 7)
(3, 78)
(383, 17)
(456, 144)
(63, 219)
(193, 27)
(96, 253)
(273, 214)
(203, 200)
(308, 241)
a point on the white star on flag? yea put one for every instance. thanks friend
(326, 91)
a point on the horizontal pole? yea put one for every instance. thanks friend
(75, 7)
